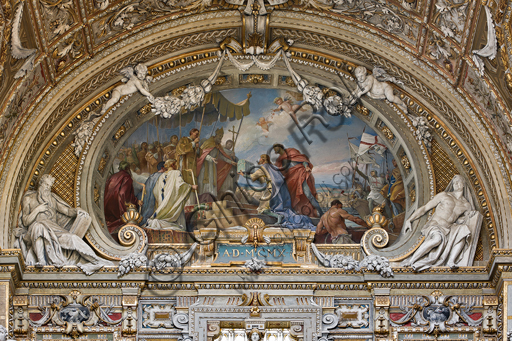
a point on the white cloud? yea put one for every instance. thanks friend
(252, 135)
(330, 168)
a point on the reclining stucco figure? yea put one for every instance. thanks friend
(51, 231)
(450, 232)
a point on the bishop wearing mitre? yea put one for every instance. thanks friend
(213, 165)
(171, 193)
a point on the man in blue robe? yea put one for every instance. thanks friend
(148, 206)
(276, 200)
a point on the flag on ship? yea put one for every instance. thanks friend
(364, 159)
(371, 142)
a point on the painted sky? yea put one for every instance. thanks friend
(328, 152)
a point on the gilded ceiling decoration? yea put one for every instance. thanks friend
(232, 170)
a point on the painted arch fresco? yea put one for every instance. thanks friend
(348, 162)
(255, 170)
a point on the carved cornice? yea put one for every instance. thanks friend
(496, 266)
(80, 285)
(110, 273)
(271, 278)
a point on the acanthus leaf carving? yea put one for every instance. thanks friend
(437, 312)
(451, 17)
(74, 312)
(491, 48)
(17, 50)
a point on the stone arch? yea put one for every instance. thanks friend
(97, 76)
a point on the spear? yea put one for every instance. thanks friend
(202, 117)
(237, 133)
(180, 123)
(157, 132)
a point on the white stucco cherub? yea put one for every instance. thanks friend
(376, 89)
(135, 79)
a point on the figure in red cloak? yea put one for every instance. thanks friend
(118, 192)
(296, 169)
(214, 165)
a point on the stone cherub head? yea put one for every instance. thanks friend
(360, 73)
(255, 335)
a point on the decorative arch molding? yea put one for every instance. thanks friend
(60, 111)
(382, 115)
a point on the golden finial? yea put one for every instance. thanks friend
(131, 216)
(377, 219)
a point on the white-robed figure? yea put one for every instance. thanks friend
(51, 231)
(171, 194)
(451, 232)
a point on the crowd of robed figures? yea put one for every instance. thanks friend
(175, 171)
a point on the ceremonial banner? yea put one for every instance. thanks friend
(373, 142)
